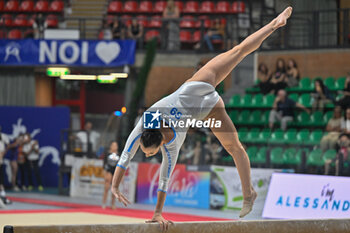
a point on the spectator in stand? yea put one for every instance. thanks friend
(171, 14)
(31, 152)
(279, 76)
(135, 31)
(15, 149)
(88, 138)
(109, 164)
(21, 161)
(345, 124)
(333, 128)
(342, 157)
(264, 79)
(188, 148)
(283, 110)
(107, 30)
(118, 30)
(321, 96)
(39, 26)
(293, 76)
(216, 32)
(212, 149)
(344, 102)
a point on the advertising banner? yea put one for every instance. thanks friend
(67, 52)
(186, 188)
(87, 179)
(226, 190)
(297, 196)
(44, 125)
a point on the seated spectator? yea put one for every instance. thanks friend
(283, 110)
(321, 96)
(107, 30)
(118, 30)
(344, 102)
(345, 124)
(293, 76)
(212, 150)
(279, 76)
(333, 128)
(135, 30)
(216, 32)
(342, 157)
(264, 79)
(39, 26)
(171, 14)
(88, 138)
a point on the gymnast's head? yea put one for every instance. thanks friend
(151, 140)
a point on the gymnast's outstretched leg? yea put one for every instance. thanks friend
(217, 69)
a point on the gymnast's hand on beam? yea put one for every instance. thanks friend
(164, 224)
(120, 197)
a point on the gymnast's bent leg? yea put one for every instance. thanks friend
(227, 135)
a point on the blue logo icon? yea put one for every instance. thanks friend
(151, 120)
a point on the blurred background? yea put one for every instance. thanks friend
(77, 74)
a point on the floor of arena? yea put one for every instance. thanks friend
(30, 208)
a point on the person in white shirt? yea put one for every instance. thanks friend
(31, 151)
(345, 124)
(4, 141)
(90, 134)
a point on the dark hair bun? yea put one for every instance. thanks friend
(151, 138)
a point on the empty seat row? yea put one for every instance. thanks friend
(157, 22)
(307, 84)
(261, 118)
(261, 101)
(193, 7)
(14, 34)
(290, 156)
(22, 20)
(29, 6)
(280, 137)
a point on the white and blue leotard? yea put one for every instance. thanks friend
(192, 98)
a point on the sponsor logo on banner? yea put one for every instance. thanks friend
(87, 179)
(68, 52)
(186, 188)
(226, 189)
(307, 196)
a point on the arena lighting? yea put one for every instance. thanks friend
(78, 77)
(106, 79)
(118, 113)
(123, 110)
(57, 71)
(119, 75)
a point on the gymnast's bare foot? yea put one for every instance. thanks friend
(248, 204)
(281, 19)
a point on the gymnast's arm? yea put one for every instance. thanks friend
(170, 156)
(131, 146)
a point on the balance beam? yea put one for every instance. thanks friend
(259, 226)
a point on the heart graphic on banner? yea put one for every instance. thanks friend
(107, 52)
